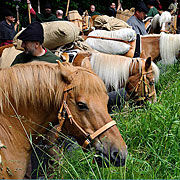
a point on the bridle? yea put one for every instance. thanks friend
(145, 89)
(65, 113)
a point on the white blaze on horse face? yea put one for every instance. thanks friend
(0, 160)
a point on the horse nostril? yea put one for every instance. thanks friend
(117, 158)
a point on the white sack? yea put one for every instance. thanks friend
(111, 46)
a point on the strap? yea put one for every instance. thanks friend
(102, 129)
(98, 132)
(107, 38)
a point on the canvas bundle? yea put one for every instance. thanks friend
(56, 33)
(114, 46)
(109, 23)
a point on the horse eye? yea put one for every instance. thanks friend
(151, 83)
(82, 106)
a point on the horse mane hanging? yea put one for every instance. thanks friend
(169, 47)
(115, 69)
(41, 84)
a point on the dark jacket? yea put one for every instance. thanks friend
(7, 31)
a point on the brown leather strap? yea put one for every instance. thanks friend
(102, 129)
(107, 38)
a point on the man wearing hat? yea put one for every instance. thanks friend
(32, 38)
(46, 16)
(7, 28)
(136, 20)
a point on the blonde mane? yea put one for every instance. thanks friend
(40, 84)
(114, 70)
(169, 47)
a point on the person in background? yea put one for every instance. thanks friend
(173, 7)
(7, 28)
(152, 10)
(136, 21)
(112, 11)
(93, 11)
(46, 16)
(32, 38)
(59, 15)
(158, 5)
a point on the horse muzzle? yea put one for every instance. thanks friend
(112, 156)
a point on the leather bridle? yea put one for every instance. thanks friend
(145, 89)
(65, 113)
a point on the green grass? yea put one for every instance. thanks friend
(151, 133)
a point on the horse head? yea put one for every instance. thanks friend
(86, 118)
(141, 82)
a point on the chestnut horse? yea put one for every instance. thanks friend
(165, 46)
(30, 97)
(136, 75)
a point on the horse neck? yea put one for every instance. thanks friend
(150, 47)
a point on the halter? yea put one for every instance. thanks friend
(65, 113)
(143, 80)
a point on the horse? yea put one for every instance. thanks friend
(161, 23)
(165, 46)
(137, 75)
(30, 97)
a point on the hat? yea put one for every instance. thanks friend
(33, 32)
(47, 5)
(140, 6)
(7, 12)
(59, 12)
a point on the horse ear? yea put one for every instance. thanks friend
(86, 63)
(65, 71)
(148, 63)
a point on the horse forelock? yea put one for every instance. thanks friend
(165, 17)
(89, 82)
(169, 47)
(155, 71)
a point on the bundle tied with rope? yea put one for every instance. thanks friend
(56, 33)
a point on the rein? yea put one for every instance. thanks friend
(65, 113)
(143, 81)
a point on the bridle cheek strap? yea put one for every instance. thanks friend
(64, 110)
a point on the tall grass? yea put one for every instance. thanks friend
(151, 133)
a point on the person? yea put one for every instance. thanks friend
(152, 9)
(93, 11)
(173, 7)
(136, 21)
(7, 28)
(112, 11)
(158, 5)
(32, 38)
(46, 16)
(59, 15)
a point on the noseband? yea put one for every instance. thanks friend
(65, 113)
(145, 90)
